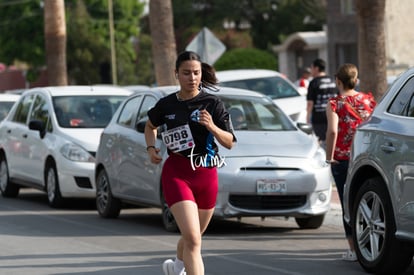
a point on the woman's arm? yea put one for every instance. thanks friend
(223, 137)
(150, 138)
(331, 132)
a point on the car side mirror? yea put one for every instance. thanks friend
(140, 126)
(38, 125)
(305, 127)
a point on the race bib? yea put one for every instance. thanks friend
(178, 139)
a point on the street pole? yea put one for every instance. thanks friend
(112, 38)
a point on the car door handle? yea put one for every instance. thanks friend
(24, 135)
(8, 131)
(388, 148)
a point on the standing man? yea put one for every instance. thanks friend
(320, 90)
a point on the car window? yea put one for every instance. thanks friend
(86, 111)
(127, 113)
(403, 103)
(148, 103)
(256, 114)
(40, 110)
(22, 109)
(274, 87)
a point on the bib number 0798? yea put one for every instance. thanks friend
(178, 139)
(175, 136)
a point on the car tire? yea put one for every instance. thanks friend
(107, 205)
(373, 227)
(167, 217)
(310, 222)
(54, 196)
(8, 189)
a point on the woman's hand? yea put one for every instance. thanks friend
(153, 154)
(205, 119)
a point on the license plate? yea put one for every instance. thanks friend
(271, 186)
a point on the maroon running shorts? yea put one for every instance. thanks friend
(180, 182)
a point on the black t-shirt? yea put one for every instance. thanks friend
(320, 90)
(174, 113)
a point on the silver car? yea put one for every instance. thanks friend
(49, 139)
(275, 169)
(379, 192)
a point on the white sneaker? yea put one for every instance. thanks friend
(168, 267)
(349, 256)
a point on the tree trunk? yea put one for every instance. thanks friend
(163, 41)
(371, 46)
(55, 41)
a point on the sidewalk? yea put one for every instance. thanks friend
(335, 203)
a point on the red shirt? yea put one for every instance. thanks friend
(351, 111)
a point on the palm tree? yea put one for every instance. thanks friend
(55, 41)
(163, 41)
(371, 46)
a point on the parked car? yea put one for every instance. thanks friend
(6, 103)
(379, 192)
(275, 169)
(271, 83)
(50, 137)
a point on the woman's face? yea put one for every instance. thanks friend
(189, 75)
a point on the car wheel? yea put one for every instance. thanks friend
(310, 222)
(52, 186)
(167, 217)
(106, 204)
(7, 188)
(373, 227)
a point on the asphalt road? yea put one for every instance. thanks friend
(35, 239)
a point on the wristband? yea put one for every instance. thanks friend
(149, 147)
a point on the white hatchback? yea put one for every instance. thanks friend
(49, 140)
(276, 168)
(271, 83)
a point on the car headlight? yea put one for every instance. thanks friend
(318, 160)
(74, 152)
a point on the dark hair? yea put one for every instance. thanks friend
(208, 73)
(320, 63)
(348, 75)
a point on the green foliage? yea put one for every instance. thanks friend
(269, 20)
(21, 32)
(246, 59)
(89, 51)
(88, 42)
(144, 64)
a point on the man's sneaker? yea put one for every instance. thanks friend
(349, 256)
(168, 267)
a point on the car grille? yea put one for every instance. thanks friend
(268, 202)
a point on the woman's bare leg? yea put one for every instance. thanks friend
(192, 223)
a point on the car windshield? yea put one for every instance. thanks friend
(85, 111)
(256, 114)
(5, 107)
(274, 87)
